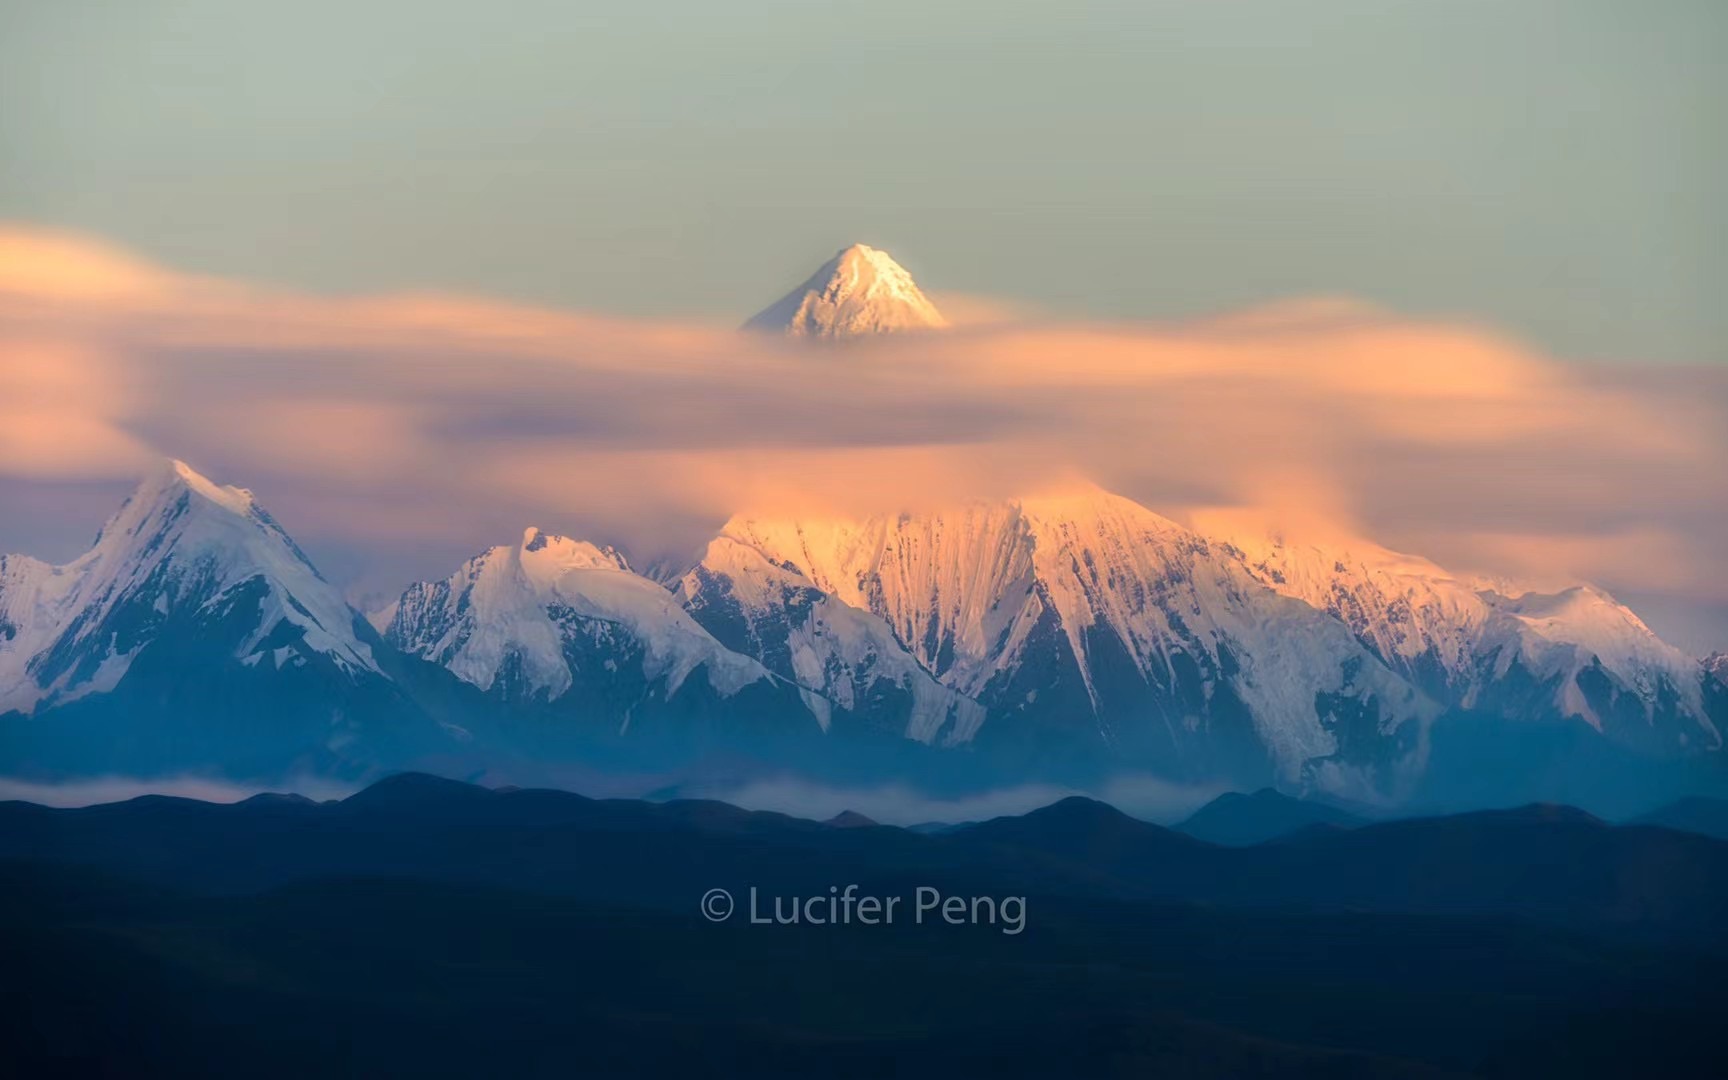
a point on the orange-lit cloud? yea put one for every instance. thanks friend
(452, 422)
(61, 405)
(45, 264)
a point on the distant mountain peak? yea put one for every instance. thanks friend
(850, 819)
(179, 553)
(168, 482)
(1238, 819)
(860, 291)
(545, 555)
(552, 614)
(416, 788)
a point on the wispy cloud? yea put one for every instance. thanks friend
(403, 431)
(111, 789)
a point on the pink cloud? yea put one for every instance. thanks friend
(459, 420)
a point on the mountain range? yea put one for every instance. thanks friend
(1078, 629)
(437, 928)
(1068, 634)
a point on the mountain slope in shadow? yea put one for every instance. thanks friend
(1549, 863)
(1237, 819)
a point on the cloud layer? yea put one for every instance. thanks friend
(397, 433)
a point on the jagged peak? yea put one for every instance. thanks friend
(556, 553)
(538, 562)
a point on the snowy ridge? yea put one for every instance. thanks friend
(1165, 591)
(847, 655)
(1401, 606)
(1074, 623)
(32, 596)
(181, 545)
(1581, 627)
(859, 291)
(524, 612)
(976, 593)
(943, 584)
(1461, 639)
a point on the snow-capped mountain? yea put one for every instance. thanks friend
(1087, 619)
(32, 595)
(193, 636)
(1575, 653)
(1716, 689)
(1076, 630)
(536, 621)
(859, 291)
(847, 655)
(182, 550)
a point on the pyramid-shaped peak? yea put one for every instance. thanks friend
(850, 819)
(860, 291)
(173, 476)
(160, 492)
(862, 260)
(178, 474)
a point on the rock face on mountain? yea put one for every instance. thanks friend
(1574, 653)
(565, 628)
(1084, 618)
(1069, 631)
(536, 621)
(1716, 666)
(848, 656)
(860, 291)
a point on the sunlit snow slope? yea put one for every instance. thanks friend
(859, 291)
(181, 549)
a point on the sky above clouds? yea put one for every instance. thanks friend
(1550, 167)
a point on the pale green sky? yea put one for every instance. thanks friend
(1555, 167)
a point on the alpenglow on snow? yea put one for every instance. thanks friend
(858, 292)
(196, 636)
